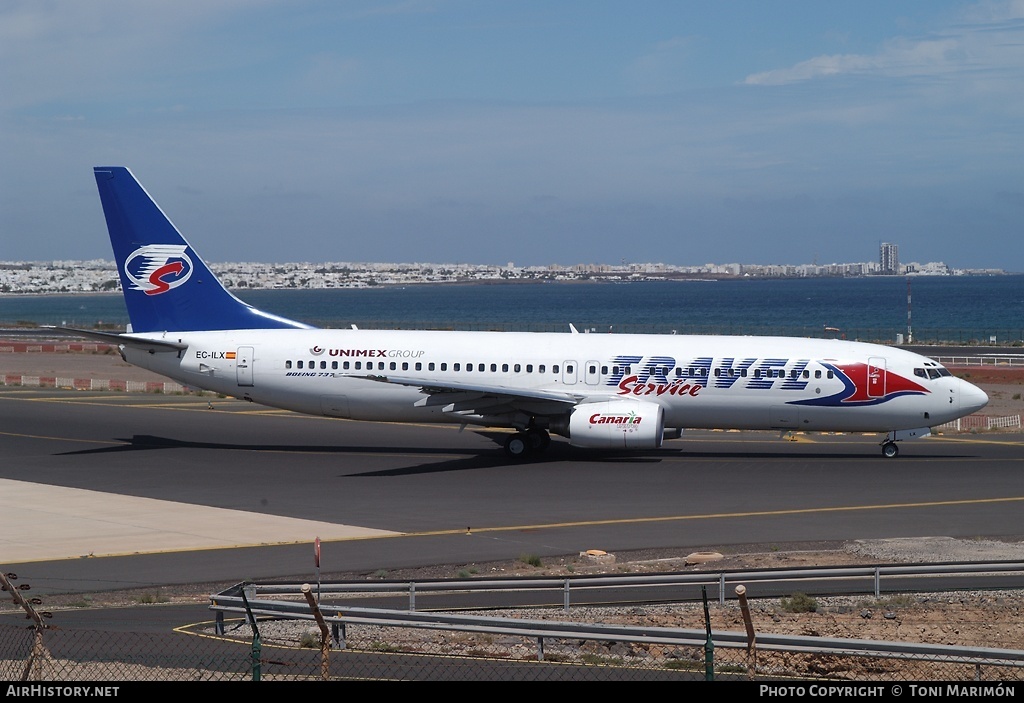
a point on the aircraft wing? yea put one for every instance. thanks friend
(485, 398)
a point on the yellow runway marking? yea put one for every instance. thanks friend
(57, 439)
(719, 516)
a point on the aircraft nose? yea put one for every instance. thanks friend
(972, 398)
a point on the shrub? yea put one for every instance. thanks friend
(799, 603)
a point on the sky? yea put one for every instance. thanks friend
(523, 131)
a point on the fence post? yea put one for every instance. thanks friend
(33, 670)
(257, 644)
(709, 645)
(741, 593)
(325, 638)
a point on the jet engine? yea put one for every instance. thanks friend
(617, 424)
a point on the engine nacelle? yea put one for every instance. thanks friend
(617, 424)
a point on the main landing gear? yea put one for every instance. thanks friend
(527, 443)
(890, 450)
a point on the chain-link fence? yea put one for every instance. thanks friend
(292, 650)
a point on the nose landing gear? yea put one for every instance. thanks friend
(889, 448)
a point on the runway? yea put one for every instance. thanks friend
(102, 490)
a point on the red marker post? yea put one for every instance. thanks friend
(316, 561)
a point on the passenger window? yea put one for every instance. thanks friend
(504, 368)
(481, 367)
(299, 364)
(419, 365)
(830, 374)
(540, 368)
(817, 373)
(359, 365)
(604, 370)
(517, 368)
(554, 369)
(456, 367)
(494, 368)
(405, 366)
(529, 368)
(345, 366)
(807, 374)
(323, 364)
(288, 364)
(430, 366)
(444, 366)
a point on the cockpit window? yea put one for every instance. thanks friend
(932, 372)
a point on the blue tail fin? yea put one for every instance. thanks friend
(167, 287)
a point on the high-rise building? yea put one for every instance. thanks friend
(888, 258)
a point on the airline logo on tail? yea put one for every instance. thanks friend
(157, 268)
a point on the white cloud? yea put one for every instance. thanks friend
(992, 41)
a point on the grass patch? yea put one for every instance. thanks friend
(531, 559)
(309, 641)
(152, 598)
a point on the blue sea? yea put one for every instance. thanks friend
(958, 309)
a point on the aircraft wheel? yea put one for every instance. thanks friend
(537, 439)
(890, 450)
(517, 446)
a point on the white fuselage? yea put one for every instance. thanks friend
(699, 381)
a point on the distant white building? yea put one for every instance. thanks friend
(889, 258)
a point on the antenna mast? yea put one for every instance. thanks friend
(910, 332)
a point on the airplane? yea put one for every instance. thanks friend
(599, 391)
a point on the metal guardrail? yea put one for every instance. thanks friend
(566, 585)
(540, 630)
(244, 599)
(981, 360)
